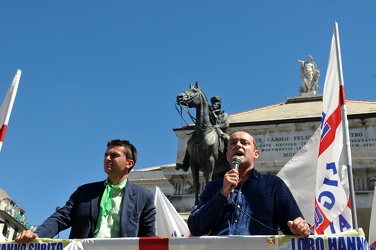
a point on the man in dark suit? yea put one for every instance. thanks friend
(107, 209)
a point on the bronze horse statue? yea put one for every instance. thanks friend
(207, 153)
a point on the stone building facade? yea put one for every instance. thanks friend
(12, 218)
(280, 131)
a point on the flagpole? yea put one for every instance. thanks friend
(7, 105)
(346, 130)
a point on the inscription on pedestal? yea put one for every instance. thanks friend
(281, 146)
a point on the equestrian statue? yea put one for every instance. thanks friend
(206, 148)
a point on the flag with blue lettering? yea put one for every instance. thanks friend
(7, 105)
(332, 212)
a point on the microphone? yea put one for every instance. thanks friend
(234, 165)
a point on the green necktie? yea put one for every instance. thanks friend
(105, 205)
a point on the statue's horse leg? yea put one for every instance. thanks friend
(196, 181)
(211, 147)
(210, 164)
(195, 168)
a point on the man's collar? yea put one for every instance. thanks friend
(254, 174)
(120, 185)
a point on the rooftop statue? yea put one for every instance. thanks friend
(206, 148)
(310, 76)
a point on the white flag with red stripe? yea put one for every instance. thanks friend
(6, 107)
(332, 209)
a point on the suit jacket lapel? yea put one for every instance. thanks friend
(95, 203)
(127, 208)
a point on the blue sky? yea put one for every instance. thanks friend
(99, 70)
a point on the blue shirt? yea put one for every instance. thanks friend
(265, 198)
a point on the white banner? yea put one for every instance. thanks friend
(350, 240)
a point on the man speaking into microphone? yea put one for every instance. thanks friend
(246, 202)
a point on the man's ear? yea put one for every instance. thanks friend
(256, 154)
(130, 163)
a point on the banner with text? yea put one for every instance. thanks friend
(350, 240)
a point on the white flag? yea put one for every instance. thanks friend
(168, 221)
(6, 107)
(2, 238)
(299, 175)
(332, 210)
(372, 224)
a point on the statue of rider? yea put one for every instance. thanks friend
(219, 119)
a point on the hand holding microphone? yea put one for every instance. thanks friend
(234, 165)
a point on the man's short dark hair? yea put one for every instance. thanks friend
(130, 150)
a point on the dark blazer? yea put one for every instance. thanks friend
(81, 212)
